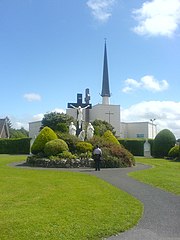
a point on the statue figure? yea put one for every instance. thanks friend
(90, 131)
(81, 136)
(72, 129)
(147, 149)
(80, 114)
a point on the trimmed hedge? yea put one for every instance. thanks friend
(15, 146)
(135, 146)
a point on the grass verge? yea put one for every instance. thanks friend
(165, 174)
(54, 205)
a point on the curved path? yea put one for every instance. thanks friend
(161, 218)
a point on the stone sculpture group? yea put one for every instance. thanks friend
(82, 135)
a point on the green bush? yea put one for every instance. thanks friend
(15, 146)
(83, 147)
(113, 154)
(66, 155)
(163, 142)
(100, 127)
(70, 140)
(109, 137)
(54, 147)
(174, 152)
(62, 127)
(116, 156)
(45, 135)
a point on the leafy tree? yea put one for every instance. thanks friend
(100, 127)
(163, 142)
(18, 133)
(57, 121)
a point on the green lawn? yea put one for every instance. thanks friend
(165, 174)
(40, 204)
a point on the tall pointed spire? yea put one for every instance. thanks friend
(105, 94)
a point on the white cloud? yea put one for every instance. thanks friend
(38, 117)
(59, 110)
(147, 82)
(166, 113)
(30, 97)
(158, 17)
(19, 125)
(101, 9)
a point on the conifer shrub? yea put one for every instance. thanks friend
(70, 140)
(109, 137)
(45, 135)
(83, 147)
(54, 147)
(66, 155)
(163, 142)
(174, 152)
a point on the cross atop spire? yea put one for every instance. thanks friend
(105, 94)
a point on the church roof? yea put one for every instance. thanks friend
(4, 129)
(105, 83)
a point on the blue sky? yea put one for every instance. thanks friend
(50, 50)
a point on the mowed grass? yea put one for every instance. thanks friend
(164, 174)
(47, 204)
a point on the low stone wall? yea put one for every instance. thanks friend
(60, 163)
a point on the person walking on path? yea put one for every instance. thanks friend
(97, 153)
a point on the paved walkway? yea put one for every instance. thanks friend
(161, 218)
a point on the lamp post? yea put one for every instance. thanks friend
(152, 120)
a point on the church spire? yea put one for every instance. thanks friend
(105, 94)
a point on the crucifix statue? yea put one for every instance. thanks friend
(79, 106)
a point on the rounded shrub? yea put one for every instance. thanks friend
(116, 156)
(45, 135)
(162, 143)
(66, 155)
(174, 152)
(83, 147)
(54, 147)
(70, 140)
(109, 137)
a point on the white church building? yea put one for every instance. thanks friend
(105, 112)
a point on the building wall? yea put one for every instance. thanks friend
(101, 112)
(34, 128)
(72, 112)
(138, 130)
